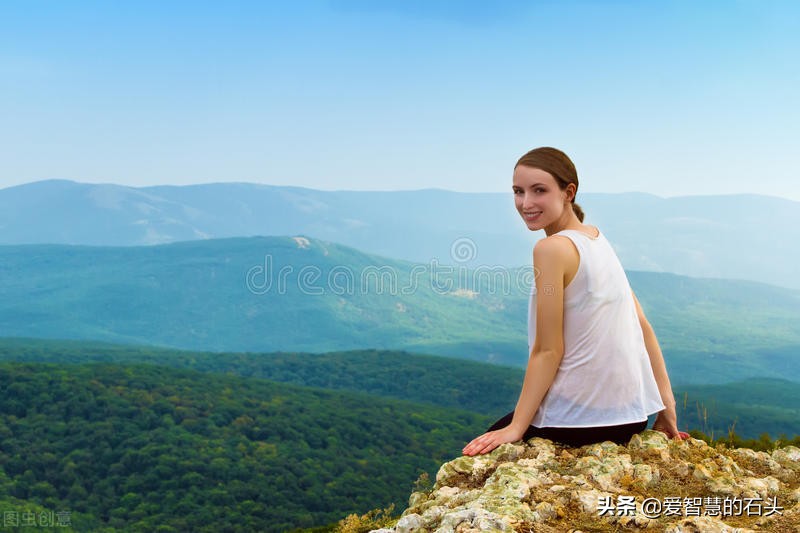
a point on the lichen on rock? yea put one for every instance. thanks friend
(651, 483)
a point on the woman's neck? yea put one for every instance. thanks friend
(566, 222)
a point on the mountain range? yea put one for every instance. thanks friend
(727, 236)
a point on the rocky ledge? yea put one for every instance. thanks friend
(652, 483)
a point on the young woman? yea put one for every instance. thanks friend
(595, 370)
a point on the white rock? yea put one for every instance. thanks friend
(589, 500)
(761, 487)
(471, 520)
(409, 524)
(788, 456)
(647, 474)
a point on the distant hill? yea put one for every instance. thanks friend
(255, 294)
(271, 294)
(729, 236)
(750, 407)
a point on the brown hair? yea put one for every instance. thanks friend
(556, 163)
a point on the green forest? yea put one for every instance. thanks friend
(750, 407)
(133, 438)
(146, 448)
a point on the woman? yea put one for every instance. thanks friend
(595, 370)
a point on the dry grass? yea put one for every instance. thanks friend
(374, 519)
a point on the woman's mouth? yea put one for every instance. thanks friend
(530, 217)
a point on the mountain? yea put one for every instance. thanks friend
(729, 236)
(649, 483)
(268, 294)
(254, 294)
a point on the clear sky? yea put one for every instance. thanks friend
(668, 97)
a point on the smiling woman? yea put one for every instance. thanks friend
(595, 369)
(545, 185)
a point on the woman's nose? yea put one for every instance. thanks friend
(527, 201)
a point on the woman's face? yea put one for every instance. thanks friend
(537, 197)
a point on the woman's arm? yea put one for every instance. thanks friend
(667, 420)
(549, 259)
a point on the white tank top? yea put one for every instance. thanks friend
(605, 377)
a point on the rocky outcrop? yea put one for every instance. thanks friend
(652, 483)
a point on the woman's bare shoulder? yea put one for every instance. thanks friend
(553, 242)
(554, 246)
(558, 252)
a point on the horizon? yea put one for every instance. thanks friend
(678, 98)
(383, 190)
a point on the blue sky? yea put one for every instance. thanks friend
(668, 97)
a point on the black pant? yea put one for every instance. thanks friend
(578, 436)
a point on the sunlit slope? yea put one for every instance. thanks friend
(301, 294)
(265, 294)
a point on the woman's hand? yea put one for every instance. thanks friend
(492, 439)
(667, 423)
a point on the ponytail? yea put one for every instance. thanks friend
(578, 211)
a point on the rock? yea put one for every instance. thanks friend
(589, 500)
(646, 475)
(546, 511)
(469, 520)
(652, 444)
(416, 498)
(704, 524)
(476, 466)
(761, 487)
(788, 456)
(651, 483)
(760, 459)
(409, 523)
(605, 472)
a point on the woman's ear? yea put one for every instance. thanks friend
(570, 190)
